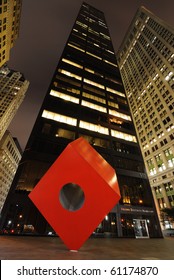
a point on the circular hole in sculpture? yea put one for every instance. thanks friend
(71, 197)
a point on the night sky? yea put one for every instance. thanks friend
(44, 30)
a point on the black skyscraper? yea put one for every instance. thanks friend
(86, 98)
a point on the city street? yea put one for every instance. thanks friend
(52, 248)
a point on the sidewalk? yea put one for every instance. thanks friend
(52, 248)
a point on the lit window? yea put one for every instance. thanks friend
(115, 91)
(64, 96)
(122, 135)
(170, 162)
(102, 24)
(113, 104)
(105, 36)
(168, 153)
(119, 115)
(93, 72)
(94, 55)
(151, 166)
(67, 88)
(89, 70)
(72, 63)
(114, 120)
(59, 118)
(81, 24)
(167, 78)
(170, 157)
(94, 97)
(65, 134)
(153, 171)
(93, 31)
(91, 20)
(75, 47)
(93, 106)
(72, 75)
(93, 83)
(162, 167)
(109, 51)
(113, 64)
(158, 158)
(94, 127)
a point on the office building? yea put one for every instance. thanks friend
(146, 60)
(12, 91)
(10, 155)
(12, 83)
(13, 88)
(10, 12)
(86, 98)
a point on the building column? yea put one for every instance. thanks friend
(163, 190)
(156, 201)
(118, 219)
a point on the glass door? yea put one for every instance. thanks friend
(140, 228)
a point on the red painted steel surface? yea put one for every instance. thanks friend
(79, 164)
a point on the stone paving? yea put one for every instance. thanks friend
(52, 248)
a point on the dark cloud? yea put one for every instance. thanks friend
(45, 27)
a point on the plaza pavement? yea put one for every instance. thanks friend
(52, 248)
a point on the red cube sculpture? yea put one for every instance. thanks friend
(76, 193)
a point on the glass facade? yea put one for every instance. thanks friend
(85, 98)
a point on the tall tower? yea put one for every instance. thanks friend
(10, 12)
(86, 99)
(13, 88)
(10, 155)
(146, 60)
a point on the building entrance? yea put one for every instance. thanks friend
(140, 228)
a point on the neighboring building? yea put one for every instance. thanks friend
(10, 12)
(146, 60)
(13, 88)
(10, 155)
(86, 98)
